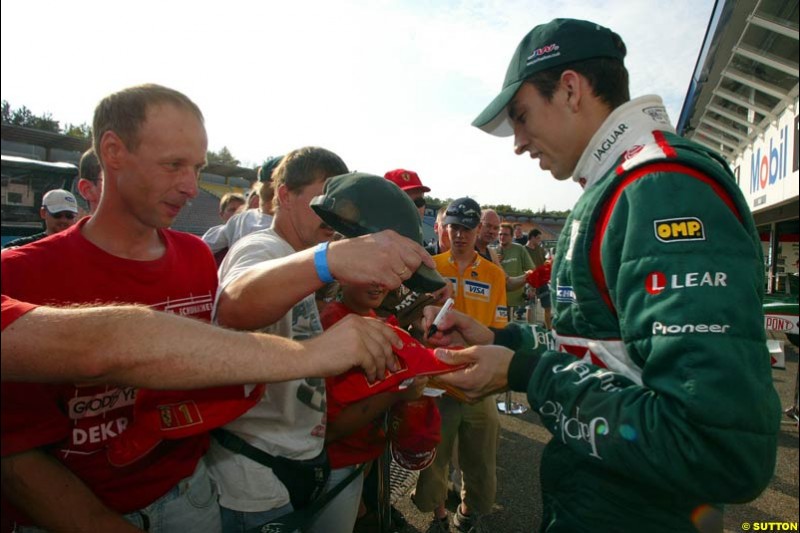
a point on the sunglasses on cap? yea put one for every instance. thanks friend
(69, 215)
(419, 202)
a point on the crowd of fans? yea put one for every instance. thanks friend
(156, 381)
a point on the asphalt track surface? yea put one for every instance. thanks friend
(518, 507)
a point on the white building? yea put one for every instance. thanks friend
(743, 103)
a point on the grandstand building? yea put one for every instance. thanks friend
(743, 103)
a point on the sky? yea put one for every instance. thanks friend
(383, 84)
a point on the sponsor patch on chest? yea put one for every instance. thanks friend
(477, 290)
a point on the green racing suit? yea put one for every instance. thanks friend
(656, 383)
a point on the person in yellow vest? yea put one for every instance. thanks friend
(479, 290)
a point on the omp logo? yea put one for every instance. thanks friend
(565, 293)
(666, 329)
(476, 289)
(657, 282)
(501, 312)
(679, 229)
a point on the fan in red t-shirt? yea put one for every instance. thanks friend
(354, 432)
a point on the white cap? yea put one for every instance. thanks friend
(59, 200)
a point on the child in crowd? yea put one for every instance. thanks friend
(355, 432)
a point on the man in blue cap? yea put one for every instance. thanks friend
(656, 383)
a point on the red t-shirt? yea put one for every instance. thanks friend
(74, 423)
(13, 309)
(366, 443)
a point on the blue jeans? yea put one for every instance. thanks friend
(241, 521)
(339, 516)
(189, 506)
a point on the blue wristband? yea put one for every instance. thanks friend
(321, 262)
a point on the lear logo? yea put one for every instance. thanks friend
(565, 293)
(679, 229)
(657, 282)
(665, 329)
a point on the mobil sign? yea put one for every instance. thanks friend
(767, 170)
(769, 163)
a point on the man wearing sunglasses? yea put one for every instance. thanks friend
(59, 211)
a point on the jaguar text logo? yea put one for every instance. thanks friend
(573, 427)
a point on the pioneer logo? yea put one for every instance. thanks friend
(674, 329)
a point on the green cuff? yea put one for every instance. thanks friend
(508, 336)
(523, 363)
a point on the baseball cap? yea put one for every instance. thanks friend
(415, 430)
(407, 180)
(59, 200)
(546, 46)
(265, 171)
(464, 212)
(357, 204)
(413, 360)
(168, 415)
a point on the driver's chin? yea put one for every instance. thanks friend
(560, 174)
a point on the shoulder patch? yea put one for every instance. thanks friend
(679, 229)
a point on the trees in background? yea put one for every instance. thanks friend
(26, 118)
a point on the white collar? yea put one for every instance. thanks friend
(630, 124)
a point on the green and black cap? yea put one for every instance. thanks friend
(358, 204)
(265, 171)
(546, 46)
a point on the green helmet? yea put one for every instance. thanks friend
(357, 204)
